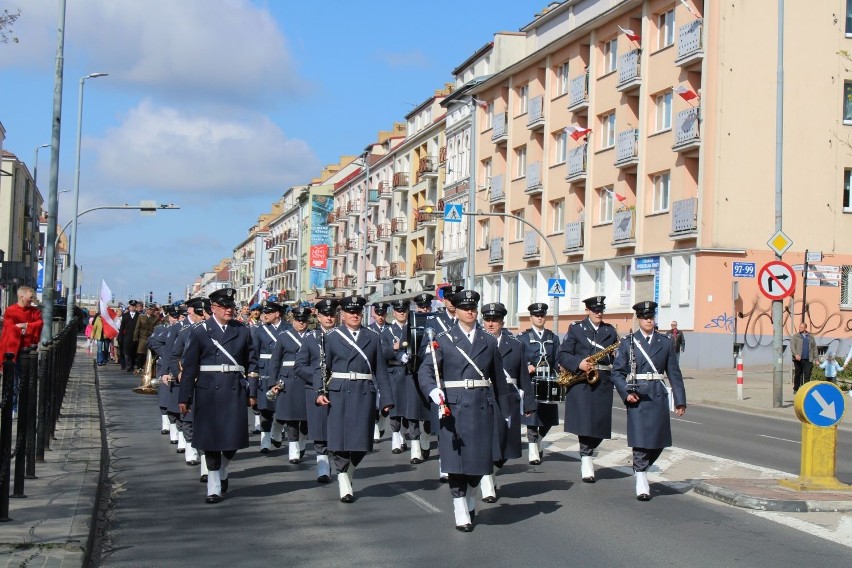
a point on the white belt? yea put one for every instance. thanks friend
(266, 355)
(603, 367)
(468, 384)
(287, 363)
(512, 381)
(352, 376)
(649, 377)
(223, 368)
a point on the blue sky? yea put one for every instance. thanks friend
(218, 106)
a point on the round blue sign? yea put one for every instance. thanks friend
(823, 403)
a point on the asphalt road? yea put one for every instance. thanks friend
(275, 514)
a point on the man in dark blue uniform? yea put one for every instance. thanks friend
(218, 358)
(266, 336)
(588, 407)
(358, 374)
(398, 423)
(448, 315)
(642, 363)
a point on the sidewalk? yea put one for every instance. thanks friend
(53, 526)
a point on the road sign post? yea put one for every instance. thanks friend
(819, 405)
(776, 280)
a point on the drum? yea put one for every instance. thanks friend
(548, 391)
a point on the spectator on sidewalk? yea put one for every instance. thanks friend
(102, 343)
(22, 325)
(678, 340)
(804, 350)
(831, 367)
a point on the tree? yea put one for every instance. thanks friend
(7, 20)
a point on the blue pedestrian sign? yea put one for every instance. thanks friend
(556, 287)
(744, 270)
(823, 403)
(453, 213)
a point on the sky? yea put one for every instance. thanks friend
(216, 106)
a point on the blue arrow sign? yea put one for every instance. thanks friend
(556, 287)
(453, 213)
(824, 404)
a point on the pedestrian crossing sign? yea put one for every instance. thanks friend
(556, 287)
(453, 213)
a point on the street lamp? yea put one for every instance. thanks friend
(73, 244)
(35, 164)
(471, 193)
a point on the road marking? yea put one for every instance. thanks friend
(685, 420)
(419, 501)
(782, 439)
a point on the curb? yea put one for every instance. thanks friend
(93, 546)
(738, 499)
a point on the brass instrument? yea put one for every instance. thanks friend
(568, 380)
(147, 385)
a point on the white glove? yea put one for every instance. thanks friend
(437, 396)
(404, 358)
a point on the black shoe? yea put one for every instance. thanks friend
(425, 454)
(166, 431)
(489, 499)
(194, 462)
(202, 479)
(181, 450)
(396, 451)
(224, 486)
(173, 442)
(276, 443)
(465, 528)
(643, 497)
(213, 499)
(415, 461)
(255, 432)
(347, 499)
(535, 462)
(323, 479)
(264, 451)
(472, 515)
(295, 461)
(589, 480)
(301, 455)
(444, 479)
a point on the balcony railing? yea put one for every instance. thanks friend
(577, 163)
(690, 43)
(329, 284)
(533, 178)
(384, 231)
(495, 251)
(428, 167)
(684, 217)
(424, 262)
(352, 244)
(339, 249)
(579, 92)
(382, 272)
(339, 282)
(354, 207)
(424, 219)
(331, 219)
(627, 147)
(442, 154)
(385, 190)
(373, 196)
(397, 269)
(400, 180)
(535, 112)
(399, 225)
(623, 226)
(371, 236)
(531, 248)
(498, 193)
(499, 128)
(687, 135)
(573, 236)
(350, 280)
(292, 265)
(629, 70)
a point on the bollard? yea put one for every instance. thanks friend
(41, 420)
(32, 412)
(739, 378)
(6, 434)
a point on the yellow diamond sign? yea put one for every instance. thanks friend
(779, 242)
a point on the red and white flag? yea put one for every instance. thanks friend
(110, 317)
(577, 132)
(482, 104)
(631, 34)
(685, 94)
(620, 198)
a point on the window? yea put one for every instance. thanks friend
(558, 224)
(847, 102)
(608, 130)
(520, 226)
(665, 25)
(848, 17)
(605, 198)
(663, 104)
(512, 300)
(561, 148)
(489, 116)
(522, 161)
(847, 191)
(846, 286)
(610, 55)
(486, 167)
(523, 98)
(600, 281)
(562, 79)
(662, 183)
(626, 280)
(573, 282)
(486, 233)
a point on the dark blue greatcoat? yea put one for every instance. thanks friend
(396, 375)
(467, 441)
(648, 424)
(219, 399)
(156, 343)
(414, 405)
(174, 365)
(353, 402)
(588, 408)
(307, 364)
(291, 403)
(265, 338)
(515, 367)
(545, 414)
(173, 388)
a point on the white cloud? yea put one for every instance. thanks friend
(162, 148)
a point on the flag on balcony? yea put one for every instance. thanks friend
(110, 317)
(577, 132)
(689, 9)
(482, 104)
(631, 34)
(617, 196)
(685, 94)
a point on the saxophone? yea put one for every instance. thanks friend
(568, 380)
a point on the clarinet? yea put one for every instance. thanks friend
(326, 376)
(632, 384)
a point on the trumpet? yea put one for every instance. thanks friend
(275, 390)
(568, 380)
(149, 381)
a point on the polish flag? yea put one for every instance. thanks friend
(482, 104)
(618, 196)
(631, 34)
(685, 94)
(577, 133)
(110, 317)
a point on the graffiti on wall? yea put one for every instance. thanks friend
(722, 321)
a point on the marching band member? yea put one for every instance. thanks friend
(265, 337)
(155, 343)
(539, 343)
(358, 373)
(311, 359)
(462, 371)
(161, 343)
(218, 357)
(448, 315)
(398, 424)
(642, 362)
(588, 408)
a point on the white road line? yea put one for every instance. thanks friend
(419, 501)
(782, 439)
(685, 420)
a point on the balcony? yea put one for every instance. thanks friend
(687, 135)
(498, 192)
(684, 219)
(350, 280)
(352, 244)
(531, 249)
(331, 219)
(629, 77)
(372, 237)
(577, 164)
(397, 269)
(533, 179)
(690, 44)
(627, 148)
(383, 232)
(400, 181)
(329, 284)
(385, 190)
(341, 211)
(338, 250)
(423, 219)
(623, 228)
(535, 113)
(371, 277)
(339, 283)
(399, 226)
(428, 168)
(292, 265)
(353, 208)
(442, 155)
(495, 251)
(292, 235)
(424, 262)
(578, 93)
(382, 272)
(373, 196)
(573, 238)
(499, 128)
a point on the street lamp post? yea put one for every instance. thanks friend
(73, 244)
(35, 164)
(471, 194)
(146, 208)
